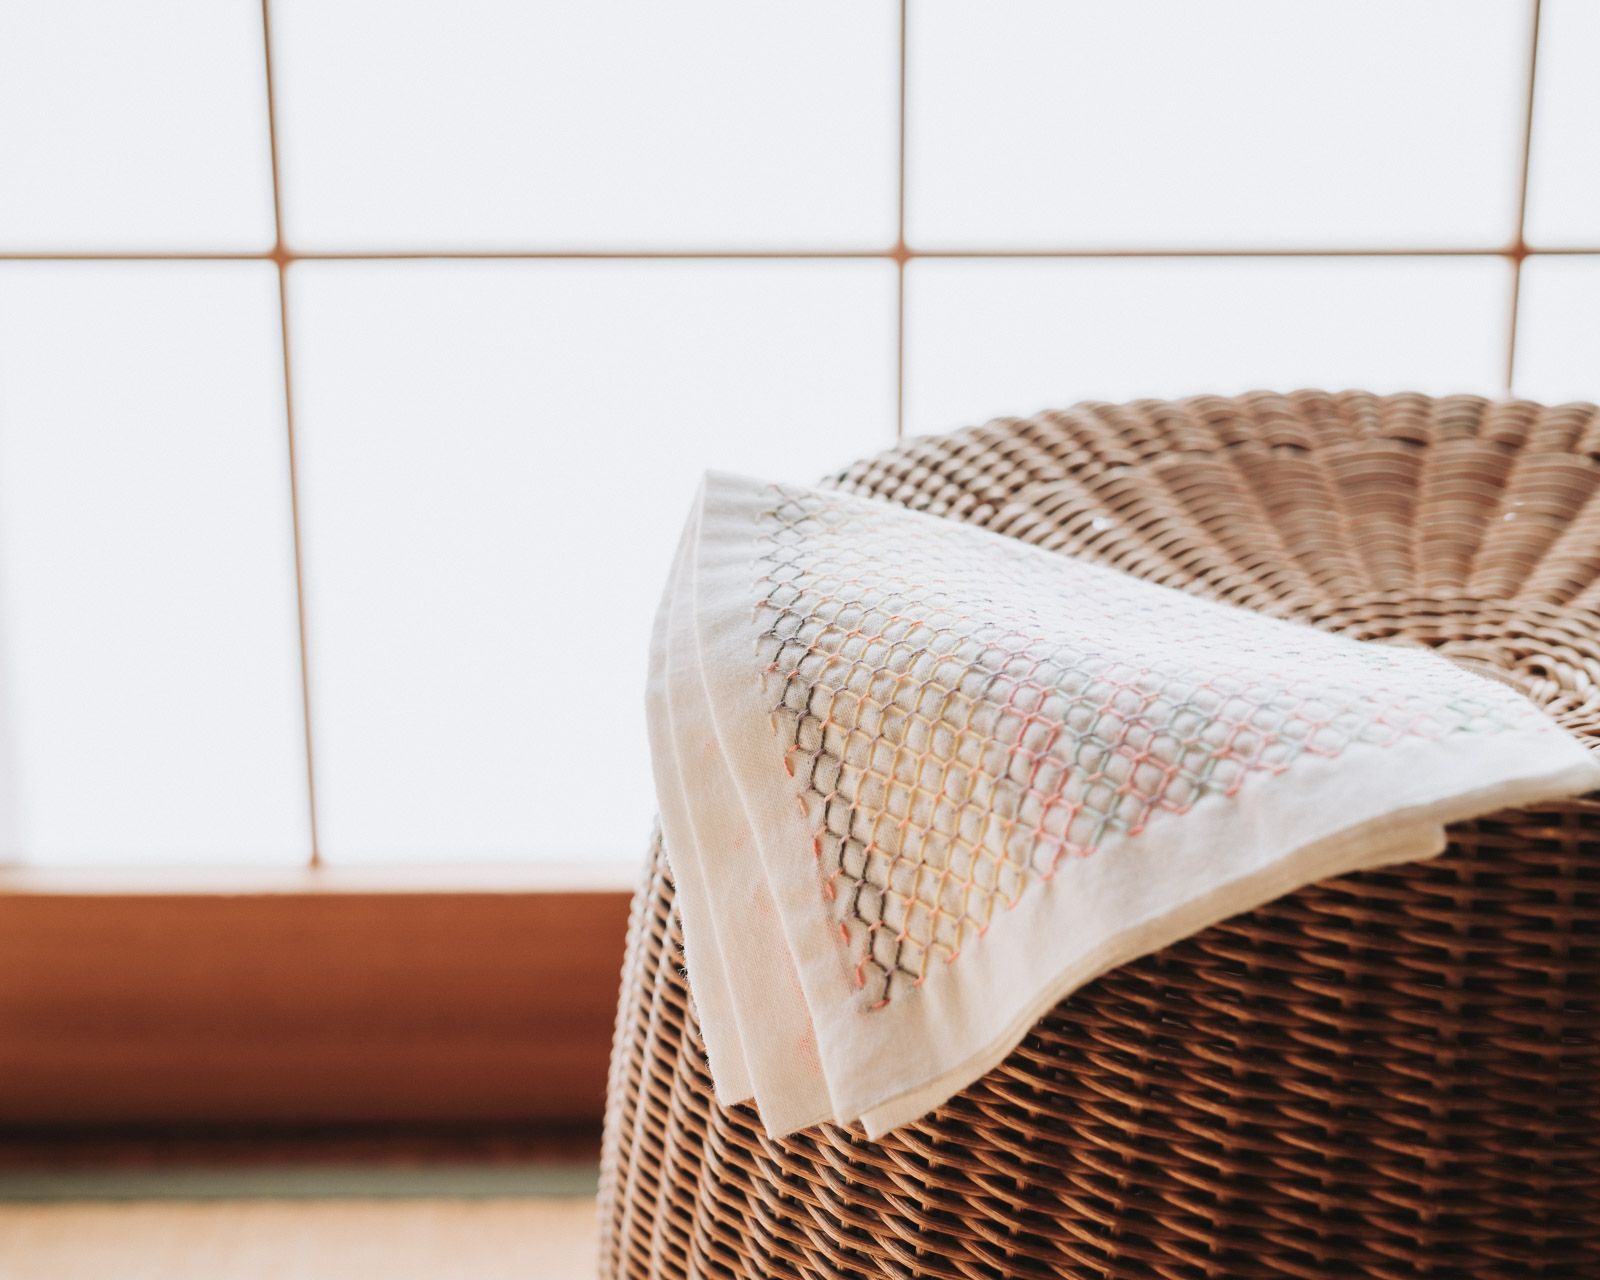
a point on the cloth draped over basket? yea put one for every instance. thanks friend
(919, 781)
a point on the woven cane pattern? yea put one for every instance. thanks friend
(962, 713)
(1393, 1075)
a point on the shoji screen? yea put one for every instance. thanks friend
(357, 357)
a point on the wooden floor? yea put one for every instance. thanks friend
(500, 1202)
(524, 1238)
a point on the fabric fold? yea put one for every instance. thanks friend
(919, 781)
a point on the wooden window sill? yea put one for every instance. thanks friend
(319, 996)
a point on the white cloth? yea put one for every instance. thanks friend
(919, 781)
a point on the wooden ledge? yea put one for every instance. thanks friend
(347, 1000)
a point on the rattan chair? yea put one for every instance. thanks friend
(1390, 1074)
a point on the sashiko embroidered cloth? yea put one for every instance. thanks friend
(919, 781)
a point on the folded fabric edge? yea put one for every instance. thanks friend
(1315, 862)
(779, 1041)
(1345, 852)
(710, 990)
(754, 1043)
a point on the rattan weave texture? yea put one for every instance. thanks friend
(1392, 1074)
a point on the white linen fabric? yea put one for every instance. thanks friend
(919, 781)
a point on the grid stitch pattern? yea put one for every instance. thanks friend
(963, 712)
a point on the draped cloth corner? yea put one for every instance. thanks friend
(919, 781)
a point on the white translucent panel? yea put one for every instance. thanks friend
(985, 338)
(1166, 123)
(587, 123)
(133, 125)
(1558, 329)
(150, 705)
(1564, 170)
(496, 459)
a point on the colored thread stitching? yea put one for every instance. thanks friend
(961, 717)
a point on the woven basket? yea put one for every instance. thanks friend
(1389, 1074)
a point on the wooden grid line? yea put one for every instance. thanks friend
(1519, 239)
(900, 253)
(291, 255)
(282, 259)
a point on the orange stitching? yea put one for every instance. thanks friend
(956, 758)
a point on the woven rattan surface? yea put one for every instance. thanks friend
(1391, 1074)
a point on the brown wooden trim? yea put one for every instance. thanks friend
(348, 1007)
(452, 879)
